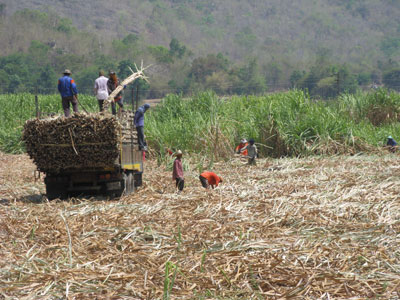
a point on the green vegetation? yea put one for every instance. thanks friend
(289, 123)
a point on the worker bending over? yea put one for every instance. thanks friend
(391, 143)
(208, 179)
(243, 144)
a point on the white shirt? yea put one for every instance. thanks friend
(100, 87)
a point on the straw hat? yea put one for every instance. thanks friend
(178, 153)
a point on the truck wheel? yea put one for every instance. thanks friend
(56, 191)
(125, 186)
(138, 179)
(130, 187)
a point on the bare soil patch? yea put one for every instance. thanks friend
(315, 228)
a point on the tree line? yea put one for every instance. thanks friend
(175, 68)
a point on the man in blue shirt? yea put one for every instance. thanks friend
(139, 123)
(69, 93)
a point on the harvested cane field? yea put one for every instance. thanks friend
(312, 228)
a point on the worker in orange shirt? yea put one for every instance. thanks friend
(242, 146)
(208, 179)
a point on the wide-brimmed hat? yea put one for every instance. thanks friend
(178, 153)
(243, 141)
(67, 71)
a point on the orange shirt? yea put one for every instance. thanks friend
(211, 177)
(241, 146)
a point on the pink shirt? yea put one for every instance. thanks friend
(178, 169)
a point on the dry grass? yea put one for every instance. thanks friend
(315, 228)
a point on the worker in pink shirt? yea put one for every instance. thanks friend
(177, 172)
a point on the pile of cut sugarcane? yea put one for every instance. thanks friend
(82, 141)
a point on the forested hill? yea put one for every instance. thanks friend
(283, 38)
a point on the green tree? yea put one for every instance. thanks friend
(2, 9)
(391, 79)
(176, 48)
(15, 84)
(273, 73)
(295, 77)
(249, 79)
(205, 66)
(390, 45)
(45, 79)
(39, 52)
(161, 54)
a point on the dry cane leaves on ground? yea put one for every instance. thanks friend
(315, 228)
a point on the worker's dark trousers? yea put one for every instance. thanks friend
(65, 105)
(101, 103)
(113, 106)
(204, 182)
(180, 183)
(141, 141)
(252, 161)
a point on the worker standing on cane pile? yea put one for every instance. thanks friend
(69, 93)
(112, 84)
(101, 89)
(139, 124)
(177, 173)
(208, 179)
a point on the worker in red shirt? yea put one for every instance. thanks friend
(209, 178)
(243, 144)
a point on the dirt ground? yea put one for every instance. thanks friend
(314, 228)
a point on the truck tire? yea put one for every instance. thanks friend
(138, 179)
(56, 191)
(131, 184)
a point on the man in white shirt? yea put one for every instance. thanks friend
(100, 89)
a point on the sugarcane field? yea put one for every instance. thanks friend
(312, 228)
(86, 213)
(202, 150)
(317, 219)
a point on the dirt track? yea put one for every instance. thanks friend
(317, 228)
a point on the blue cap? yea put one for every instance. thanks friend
(146, 106)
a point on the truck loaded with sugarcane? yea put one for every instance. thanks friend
(90, 153)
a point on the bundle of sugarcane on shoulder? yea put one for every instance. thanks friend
(83, 140)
